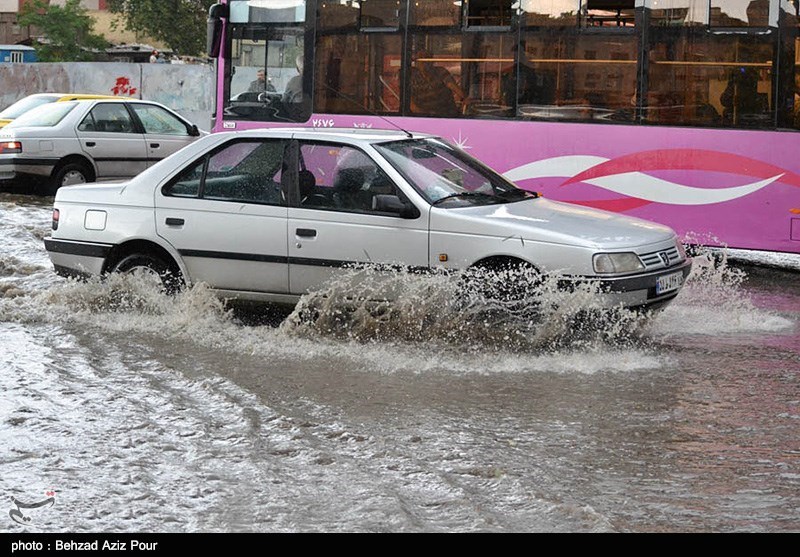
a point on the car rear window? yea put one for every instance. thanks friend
(44, 116)
(24, 105)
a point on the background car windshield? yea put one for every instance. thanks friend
(44, 116)
(24, 105)
(442, 173)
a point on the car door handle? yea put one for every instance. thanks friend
(90, 143)
(172, 221)
(155, 145)
(306, 232)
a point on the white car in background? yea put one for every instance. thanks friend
(272, 214)
(65, 143)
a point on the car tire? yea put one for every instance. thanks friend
(69, 174)
(146, 263)
(506, 284)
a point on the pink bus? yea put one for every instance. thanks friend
(684, 112)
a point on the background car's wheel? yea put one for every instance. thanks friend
(69, 174)
(151, 264)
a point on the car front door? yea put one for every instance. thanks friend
(226, 215)
(334, 224)
(164, 132)
(108, 135)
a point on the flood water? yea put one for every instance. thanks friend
(140, 412)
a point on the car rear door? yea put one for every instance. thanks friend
(225, 213)
(164, 132)
(109, 136)
(333, 224)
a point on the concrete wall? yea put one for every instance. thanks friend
(186, 88)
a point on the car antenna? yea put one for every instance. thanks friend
(371, 112)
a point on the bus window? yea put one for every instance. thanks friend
(267, 57)
(436, 13)
(470, 75)
(710, 79)
(567, 71)
(380, 14)
(739, 13)
(358, 58)
(489, 13)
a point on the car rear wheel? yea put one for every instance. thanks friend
(68, 175)
(152, 265)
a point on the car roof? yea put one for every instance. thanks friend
(335, 134)
(75, 96)
(82, 96)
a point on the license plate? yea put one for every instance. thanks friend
(668, 283)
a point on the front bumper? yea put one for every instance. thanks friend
(637, 291)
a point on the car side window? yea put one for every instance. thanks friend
(246, 171)
(341, 178)
(87, 124)
(108, 117)
(187, 183)
(156, 120)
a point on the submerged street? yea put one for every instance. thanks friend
(143, 412)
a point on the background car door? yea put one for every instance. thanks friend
(226, 216)
(108, 135)
(335, 224)
(164, 132)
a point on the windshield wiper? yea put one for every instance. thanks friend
(522, 194)
(463, 194)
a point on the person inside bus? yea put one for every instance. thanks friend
(740, 99)
(261, 84)
(527, 86)
(293, 93)
(433, 90)
(293, 98)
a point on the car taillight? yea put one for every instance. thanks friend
(10, 147)
(56, 215)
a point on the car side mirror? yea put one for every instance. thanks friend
(383, 203)
(194, 131)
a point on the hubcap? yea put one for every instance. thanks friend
(73, 177)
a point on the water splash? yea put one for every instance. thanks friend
(498, 310)
(715, 301)
(437, 321)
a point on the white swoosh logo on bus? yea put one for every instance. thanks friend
(642, 186)
(634, 184)
(570, 165)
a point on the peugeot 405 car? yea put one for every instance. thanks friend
(63, 143)
(32, 101)
(268, 215)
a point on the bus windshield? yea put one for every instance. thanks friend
(449, 177)
(267, 54)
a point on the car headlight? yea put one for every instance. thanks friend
(681, 250)
(612, 263)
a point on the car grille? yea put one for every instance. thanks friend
(654, 260)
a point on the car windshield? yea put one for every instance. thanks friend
(44, 116)
(447, 176)
(24, 105)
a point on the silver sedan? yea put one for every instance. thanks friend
(272, 214)
(72, 142)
